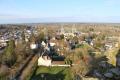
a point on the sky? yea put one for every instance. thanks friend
(35, 11)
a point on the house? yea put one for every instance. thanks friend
(108, 46)
(33, 46)
(52, 44)
(44, 61)
(27, 35)
(49, 54)
(43, 44)
(47, 61)
(3, 42)
(69, 34)
(47, 58)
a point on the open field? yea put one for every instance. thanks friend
(52, 73)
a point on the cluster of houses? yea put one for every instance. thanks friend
(15, 35)
(112, 42)
(108, 72)
(49, 54)
(53, 44)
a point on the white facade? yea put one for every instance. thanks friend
(69, 34)
(43, 43)
(52, 44)
(3, 42)
(44, 61)
(33, 46)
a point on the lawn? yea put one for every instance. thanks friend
(52, 73)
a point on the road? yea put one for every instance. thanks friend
(26, 68)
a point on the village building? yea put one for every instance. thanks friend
(44, 61)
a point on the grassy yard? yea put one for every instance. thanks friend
(52, 73)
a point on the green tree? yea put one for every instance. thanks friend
(9, 56)
(68, 61)
(32, 38)
(91, 29)
(41, 37)
(75, 39)
(62, 36)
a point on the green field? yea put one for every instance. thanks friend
(52, 73)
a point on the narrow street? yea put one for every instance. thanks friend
(26, 70)
(29, 68)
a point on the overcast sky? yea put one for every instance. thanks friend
(27, 11)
